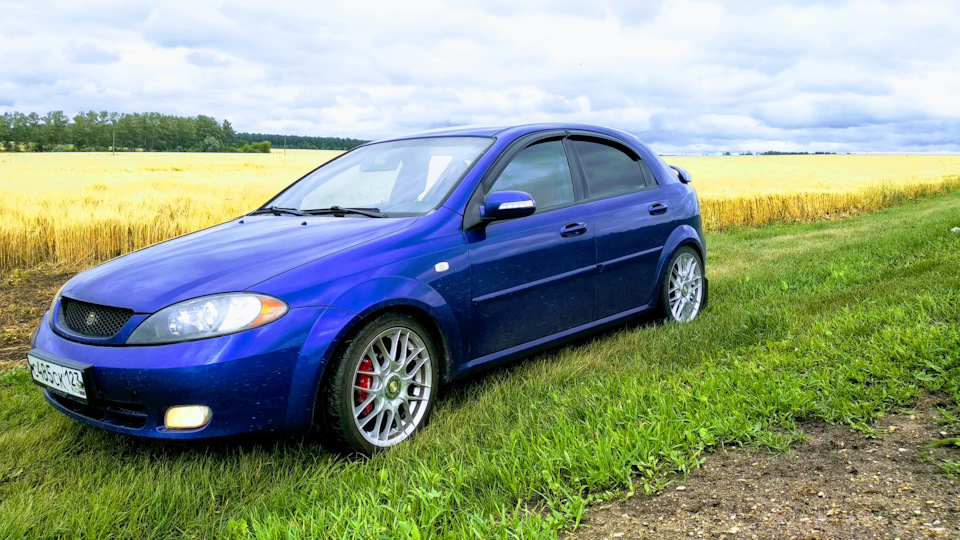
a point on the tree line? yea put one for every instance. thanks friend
(152, 132)
(780, 153)
(301, 141)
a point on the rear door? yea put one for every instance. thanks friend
(632, 217)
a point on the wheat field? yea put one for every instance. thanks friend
(75, 209)
(744, 191)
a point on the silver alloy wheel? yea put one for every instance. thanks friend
(686, 287)
(392, 386)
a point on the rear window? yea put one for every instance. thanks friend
(609, 170)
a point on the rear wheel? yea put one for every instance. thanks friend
(683, 292)
(384, 385)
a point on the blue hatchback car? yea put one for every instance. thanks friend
(350, 297)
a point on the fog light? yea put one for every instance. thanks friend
(187, 417)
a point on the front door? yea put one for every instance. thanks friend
(533, 276)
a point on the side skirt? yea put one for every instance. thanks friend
(547, 342)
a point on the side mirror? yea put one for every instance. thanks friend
(507, 205)
(682, 173)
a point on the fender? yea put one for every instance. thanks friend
(319, 345)
(335, 324)
(394, 291)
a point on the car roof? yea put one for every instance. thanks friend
(496, 131)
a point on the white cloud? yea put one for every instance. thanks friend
(88, 53)
(685, 75)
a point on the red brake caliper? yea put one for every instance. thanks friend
(365, 381)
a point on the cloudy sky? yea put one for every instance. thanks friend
(686, 76)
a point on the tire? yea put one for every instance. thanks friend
(683, 294)
(383, 386)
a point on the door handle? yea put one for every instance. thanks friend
(657, 208)
(573, 229)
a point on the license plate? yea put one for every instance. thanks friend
(66, 380)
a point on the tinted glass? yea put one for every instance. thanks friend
(407, 177)
(542, 171)
(609, 170)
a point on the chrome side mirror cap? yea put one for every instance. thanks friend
(507, 205)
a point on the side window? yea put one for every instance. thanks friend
(542, 171)
(609, 170)
(648, 176)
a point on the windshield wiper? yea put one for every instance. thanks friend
(277, 210)
(340, 211)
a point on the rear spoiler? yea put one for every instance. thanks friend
(682, 174)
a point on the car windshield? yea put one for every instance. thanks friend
(399, 178)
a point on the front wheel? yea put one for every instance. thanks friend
(383, 387)
(683, 293)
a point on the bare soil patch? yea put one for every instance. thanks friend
(837, 483)
(24, 298)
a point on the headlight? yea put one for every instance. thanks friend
(56, 298)
(208, 316)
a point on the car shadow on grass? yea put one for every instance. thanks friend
(462, 391)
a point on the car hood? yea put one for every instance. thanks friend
(233, 256)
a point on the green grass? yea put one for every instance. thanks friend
(842, 321)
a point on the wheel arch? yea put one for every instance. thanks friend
(417, 313)
(365, 303)
(684, 235)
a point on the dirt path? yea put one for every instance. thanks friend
(838, 483)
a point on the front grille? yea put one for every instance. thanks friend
(126, 415)
(94, 319)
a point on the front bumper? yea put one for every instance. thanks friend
(253, 380)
